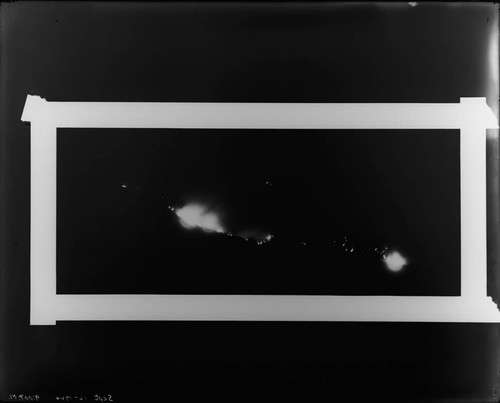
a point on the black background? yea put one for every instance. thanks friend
(314, 191)
(234, 52)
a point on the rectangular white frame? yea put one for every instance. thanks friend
(471, 116)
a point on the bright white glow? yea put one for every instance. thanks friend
(394, 261)
(196, 216)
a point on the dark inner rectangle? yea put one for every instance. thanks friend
(190, 211)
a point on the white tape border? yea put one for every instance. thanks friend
(472, 116)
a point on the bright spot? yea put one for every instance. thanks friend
(394, 261)
(196, 216)
(264, 239)
(258, 236)
(413, 4)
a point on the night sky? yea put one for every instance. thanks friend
(333, 204)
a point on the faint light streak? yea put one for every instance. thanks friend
(395, 261)
(257, 235)
(193, 216)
